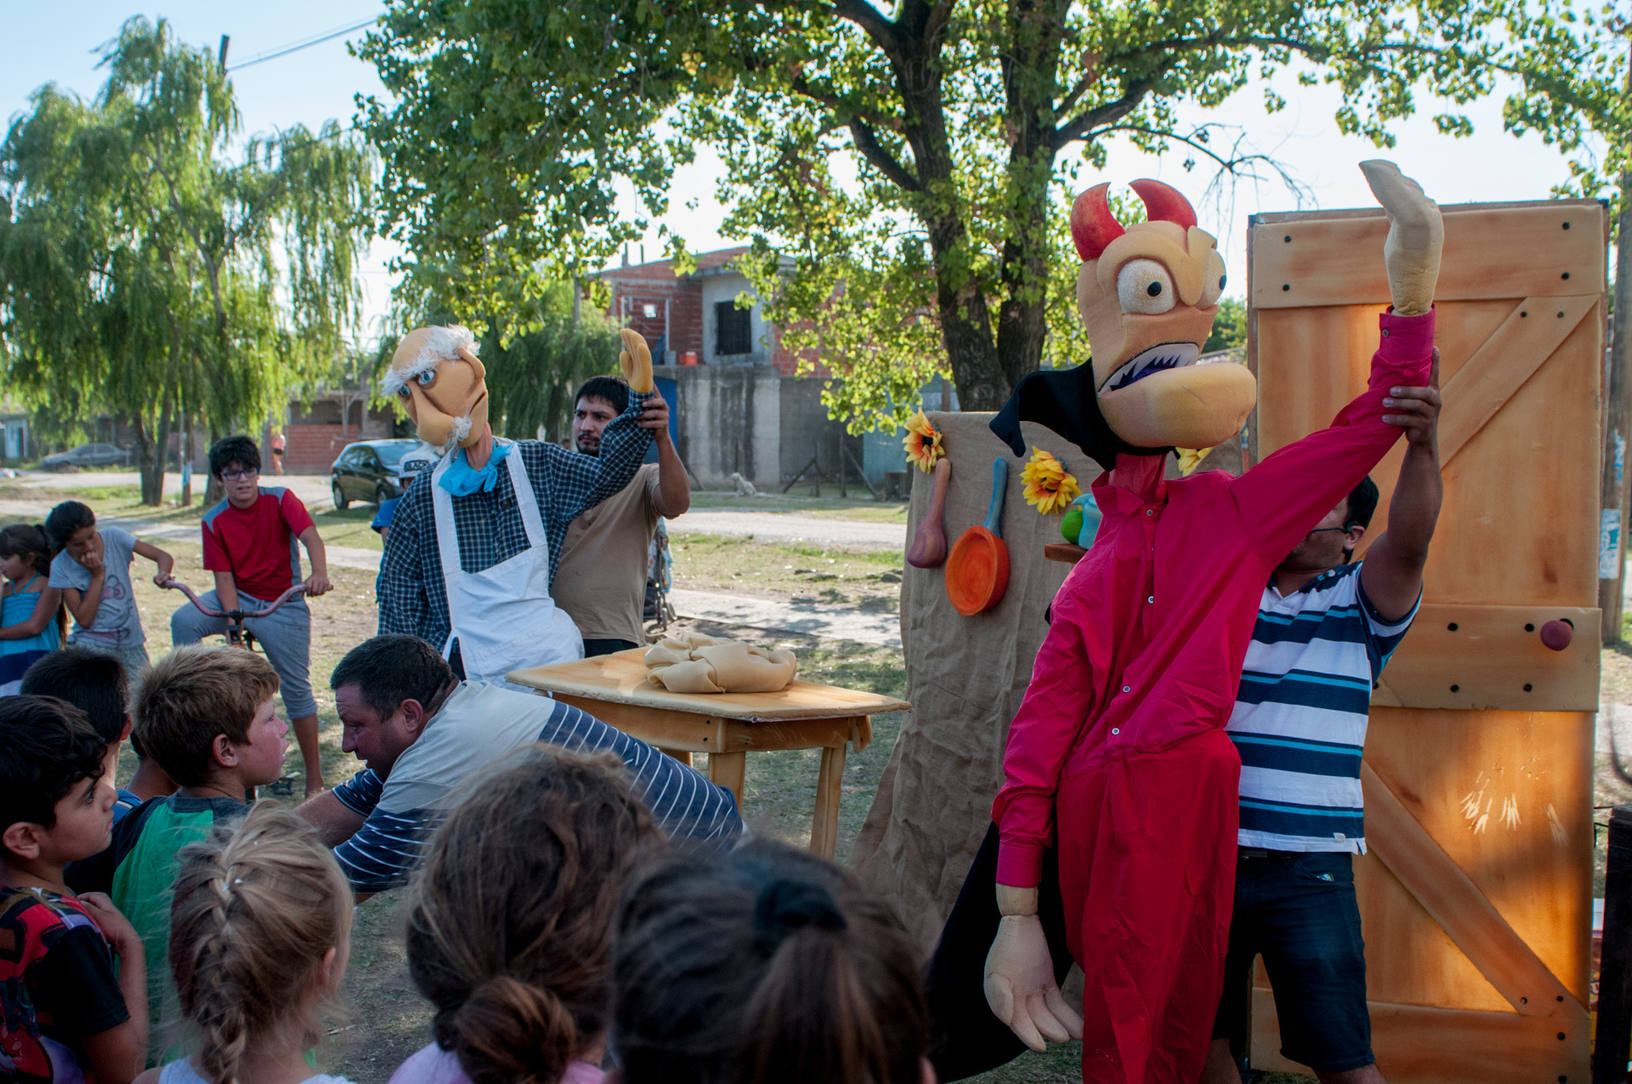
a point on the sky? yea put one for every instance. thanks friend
(58, 43)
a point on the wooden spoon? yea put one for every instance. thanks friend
(928, 549)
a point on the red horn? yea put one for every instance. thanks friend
(1093, 226)
(1164, 203)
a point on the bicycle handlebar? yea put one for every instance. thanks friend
(238, 614)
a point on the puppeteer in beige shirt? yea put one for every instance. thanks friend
(601, 579)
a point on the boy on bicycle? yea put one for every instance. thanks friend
(249, 543)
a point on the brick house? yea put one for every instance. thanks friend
(738, 405)
(693, 319)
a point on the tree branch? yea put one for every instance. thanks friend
(887, 164)
(874, 23)
(1104, 114)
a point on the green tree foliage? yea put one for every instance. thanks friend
(143, 275)
(902, 170)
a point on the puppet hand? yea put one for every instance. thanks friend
(1415, 236)
(1020, 986)
(636, 361)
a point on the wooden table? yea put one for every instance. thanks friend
(726, 726)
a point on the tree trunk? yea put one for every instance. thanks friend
(187, 462)
(153, 463)
(147, 452)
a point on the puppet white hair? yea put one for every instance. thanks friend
(441, 344)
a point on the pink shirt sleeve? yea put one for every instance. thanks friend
(1288, 493)
(1057, 703)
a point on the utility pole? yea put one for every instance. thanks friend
(1618, 421)
(221, 57)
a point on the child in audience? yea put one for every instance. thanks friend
(206, 715)
(260, 925)
(510, 932)
(63, 1014)
(96, 684)
(93, 571)
(764, 965)
(32, 619)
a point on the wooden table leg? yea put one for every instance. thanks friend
(682, 755)
(824, 827)
(727, 770)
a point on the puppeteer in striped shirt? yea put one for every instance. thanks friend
(1300, 715)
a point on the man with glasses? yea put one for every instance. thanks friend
(249, 543)
(1326, 627)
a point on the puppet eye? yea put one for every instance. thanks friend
(1212, 283)
(1144, 286)
(403, 393)
(426, 378)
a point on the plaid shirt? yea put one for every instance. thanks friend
(413, 598)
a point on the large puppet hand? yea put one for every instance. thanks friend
(1415, 236)
(636, 360)
(1020, 986)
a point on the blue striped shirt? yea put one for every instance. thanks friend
(478, 724)
(1300, 714)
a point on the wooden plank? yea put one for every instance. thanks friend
(620, 678)
(824, 827)
(1525, 342)
(1477, 657)
(1549, 248)
(728, 770)
(1457, 904)
(678, 731)
(1063, 551)
(1420, 1044)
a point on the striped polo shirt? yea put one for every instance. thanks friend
(477, 725)
(1300, 715)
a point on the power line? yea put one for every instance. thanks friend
(307, 44)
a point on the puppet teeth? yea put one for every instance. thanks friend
(1158, 358)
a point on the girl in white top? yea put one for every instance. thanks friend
(259, 935)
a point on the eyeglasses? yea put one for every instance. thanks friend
(239, 475)
(1317, 530)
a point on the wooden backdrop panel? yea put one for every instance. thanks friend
(1476, 894)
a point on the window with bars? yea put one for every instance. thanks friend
(732, 333)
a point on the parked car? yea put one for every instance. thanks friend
(90, 455)
(374, 470)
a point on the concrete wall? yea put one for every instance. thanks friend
(749, 419)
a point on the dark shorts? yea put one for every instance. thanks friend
(1298, 911)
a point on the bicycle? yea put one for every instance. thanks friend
(237, 635)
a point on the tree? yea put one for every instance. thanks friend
(144, 275)
(913, 161)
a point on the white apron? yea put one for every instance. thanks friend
(503, 617)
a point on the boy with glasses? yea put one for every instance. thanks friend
(249, 543)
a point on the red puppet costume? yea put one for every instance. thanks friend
(1118, 755)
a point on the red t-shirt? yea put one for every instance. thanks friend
(257, 544)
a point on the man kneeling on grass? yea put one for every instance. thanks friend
(422, 732)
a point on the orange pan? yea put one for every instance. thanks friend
(977, 570)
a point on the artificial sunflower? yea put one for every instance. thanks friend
(1190, 459)
(922, 443)
(1048, 487)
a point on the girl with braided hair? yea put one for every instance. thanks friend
(509, 935)
(767, 966)
(260, 927)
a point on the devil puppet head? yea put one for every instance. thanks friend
(441, 384)
(1147, 294)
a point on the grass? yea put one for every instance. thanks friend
(795, 571)
(854, 508)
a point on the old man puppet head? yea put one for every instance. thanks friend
(441, 384)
